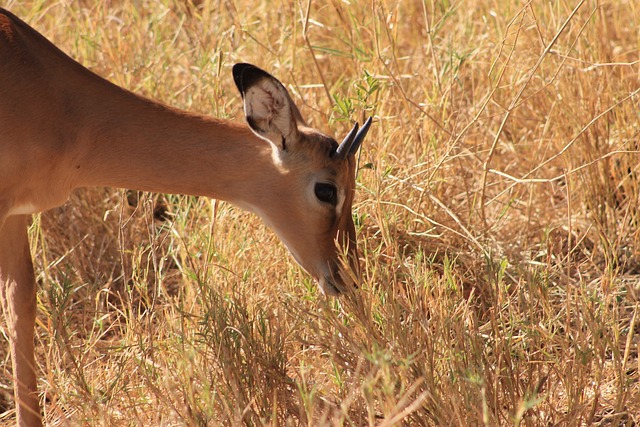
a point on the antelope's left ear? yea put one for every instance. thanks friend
(268, 107)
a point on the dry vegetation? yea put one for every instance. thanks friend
(497, 211)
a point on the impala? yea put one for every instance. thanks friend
(63, 127)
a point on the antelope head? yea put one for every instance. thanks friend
(311, 211)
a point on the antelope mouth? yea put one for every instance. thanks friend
(328, 286)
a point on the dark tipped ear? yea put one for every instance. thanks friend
(268, 108)
(240, 79)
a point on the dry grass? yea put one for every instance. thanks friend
(497, 209)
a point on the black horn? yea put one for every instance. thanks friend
(353, 140)
(357, 141)
(345, 146)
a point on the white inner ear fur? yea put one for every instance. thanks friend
(269, 105)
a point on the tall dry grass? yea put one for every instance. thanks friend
(497, 211)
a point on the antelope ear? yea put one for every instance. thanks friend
(268, 107)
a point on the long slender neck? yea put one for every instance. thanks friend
(89, 132)
(130, 142)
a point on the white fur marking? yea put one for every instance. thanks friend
(26, 209)
(341, 198)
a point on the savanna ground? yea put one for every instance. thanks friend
(497, 210)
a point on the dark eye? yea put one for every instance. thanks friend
(327, 193)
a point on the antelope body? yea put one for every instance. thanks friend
(63, 127)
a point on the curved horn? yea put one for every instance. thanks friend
(357, 141)
(345, 146)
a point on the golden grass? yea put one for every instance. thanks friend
(497, 207)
